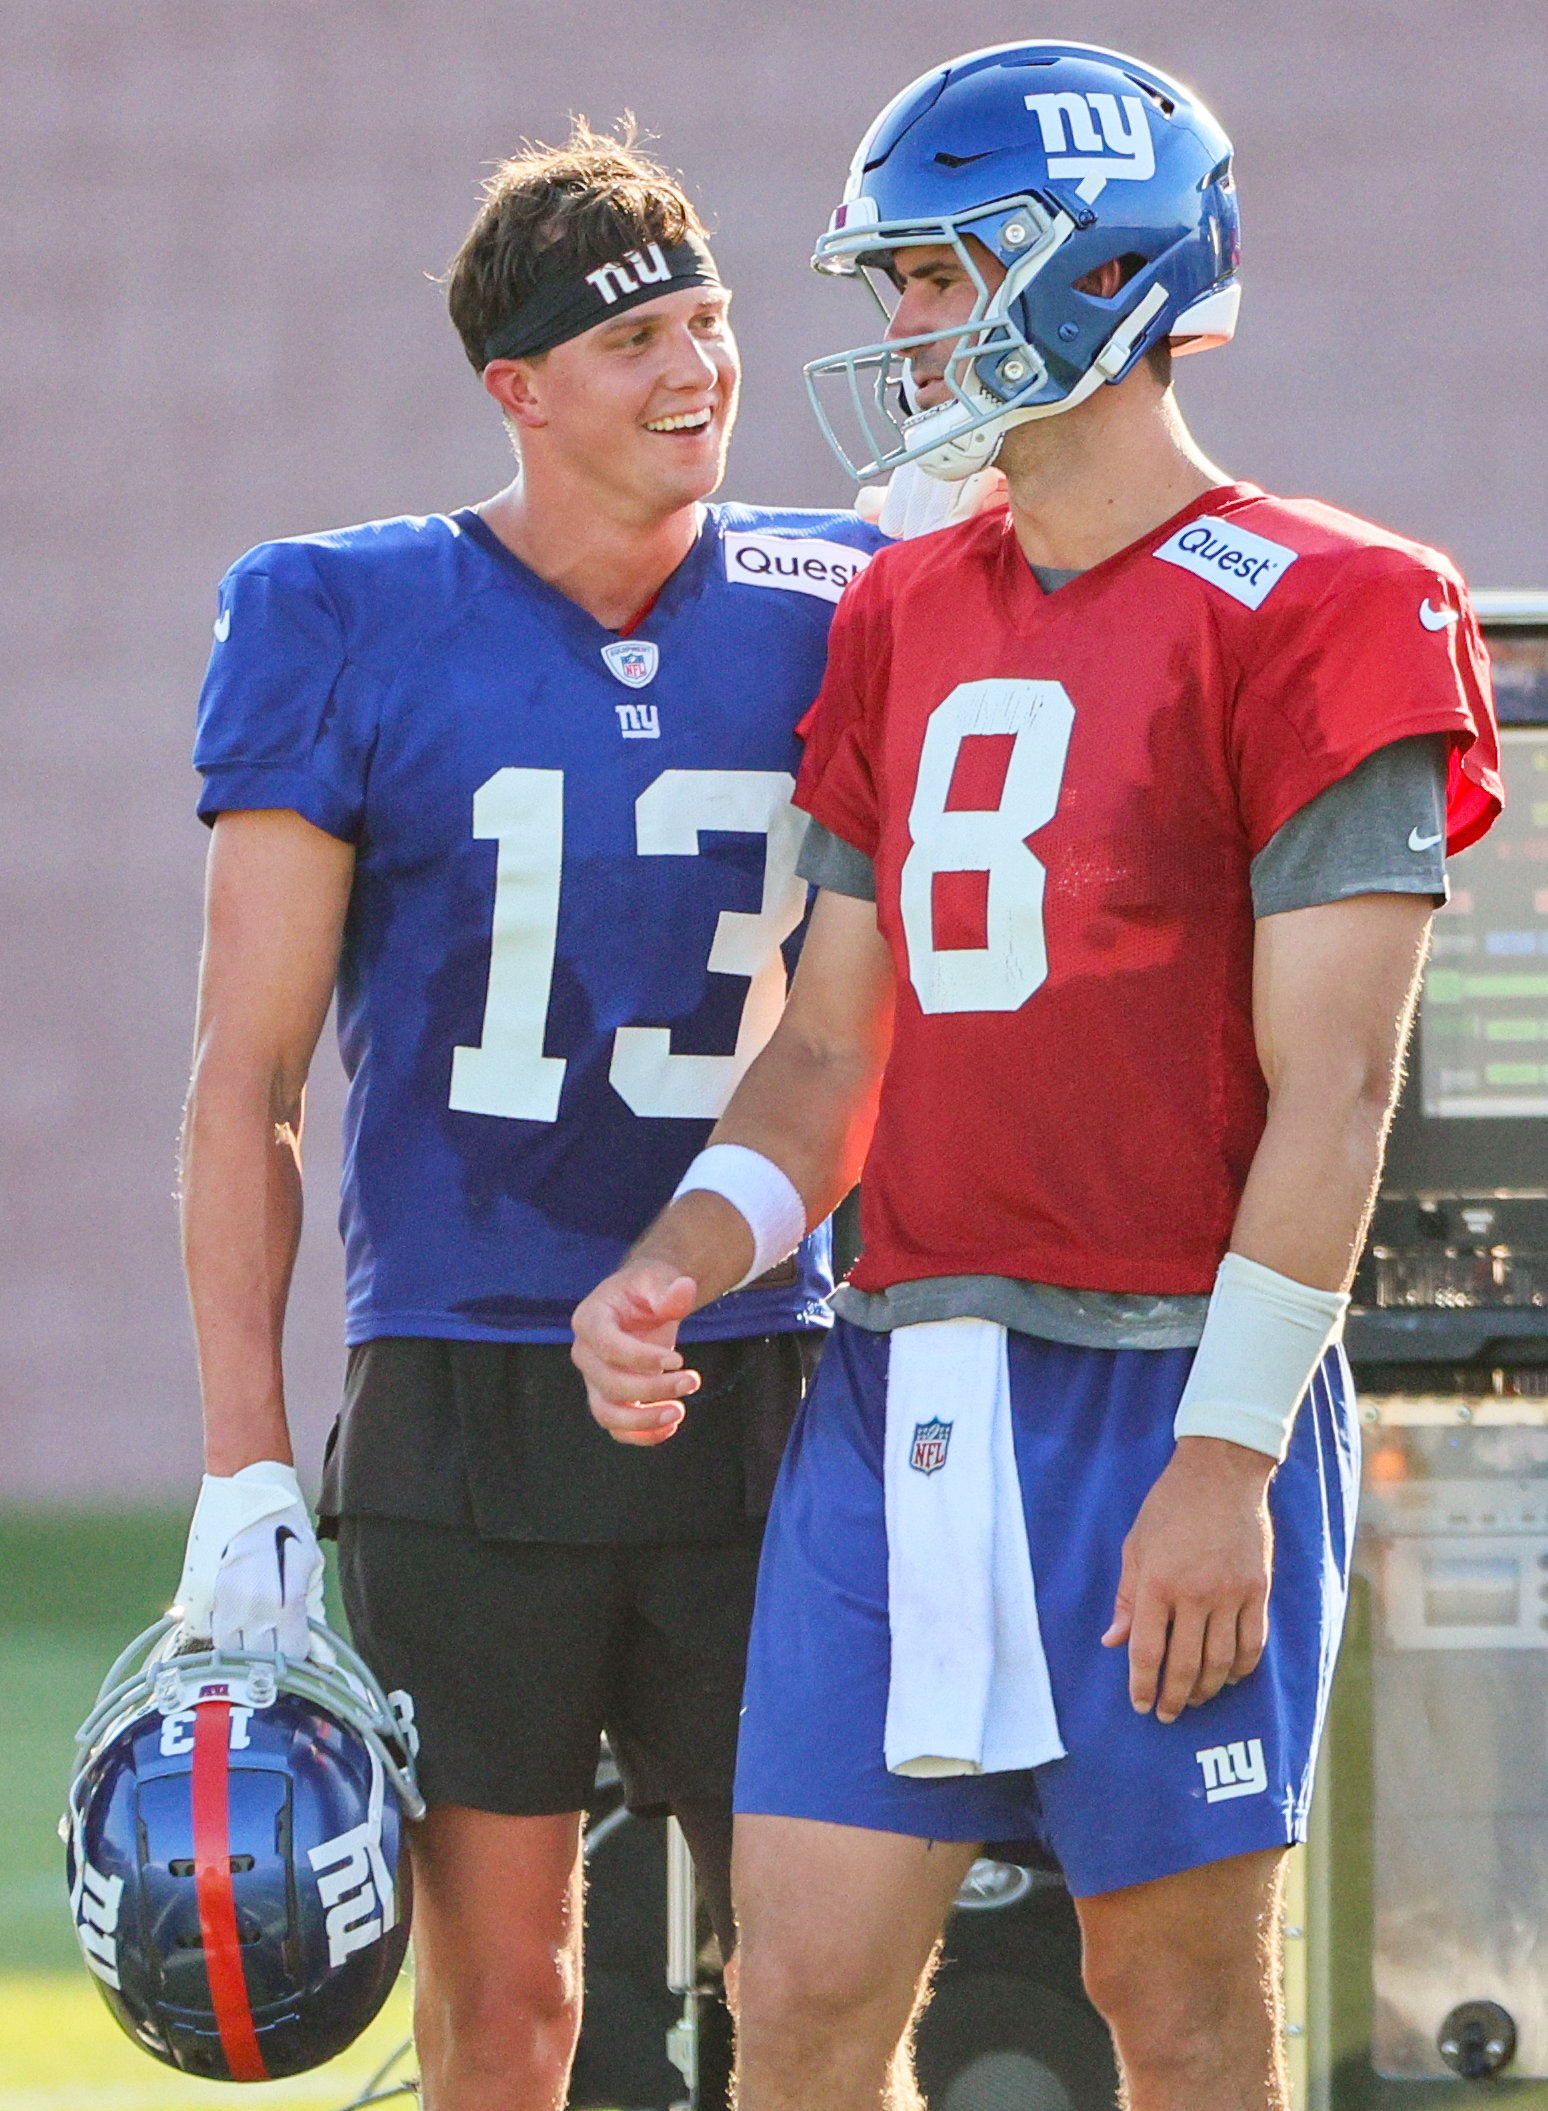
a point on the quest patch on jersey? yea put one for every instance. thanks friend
(802, 564)
(1241, 564)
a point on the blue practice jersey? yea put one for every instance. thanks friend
(575, 900)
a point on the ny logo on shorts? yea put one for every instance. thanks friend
(1233, 1770)
(928, 1453)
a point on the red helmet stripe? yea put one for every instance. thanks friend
(217, 1906)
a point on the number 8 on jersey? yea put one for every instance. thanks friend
(1002, 974)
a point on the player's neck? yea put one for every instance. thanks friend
(608, 558)
(1086, 485)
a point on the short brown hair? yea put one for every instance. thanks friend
(578, 205)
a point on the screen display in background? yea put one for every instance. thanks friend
(1459, 1592)
(1483, 1022)
(1520, 674)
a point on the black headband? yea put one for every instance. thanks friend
(561, 307)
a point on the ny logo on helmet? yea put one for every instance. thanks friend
(355, 1889)
(1121, 149)
(97, 1902)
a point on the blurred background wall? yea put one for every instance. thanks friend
(219, 229)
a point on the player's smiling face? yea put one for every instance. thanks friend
(936, 292)
(643, 404)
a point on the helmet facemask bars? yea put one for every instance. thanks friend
(990, 367)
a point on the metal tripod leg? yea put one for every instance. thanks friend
(682, 1970)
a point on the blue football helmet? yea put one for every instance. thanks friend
(1057, 158)
(235, 1852)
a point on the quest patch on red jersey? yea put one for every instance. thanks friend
(1246, 566)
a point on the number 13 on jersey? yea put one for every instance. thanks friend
(523, 811)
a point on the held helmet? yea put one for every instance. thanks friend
(236, 1862)
(1057, 158)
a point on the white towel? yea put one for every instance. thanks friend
(969, 1691)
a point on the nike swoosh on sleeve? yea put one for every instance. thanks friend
(1437, 618)
(1419, 842)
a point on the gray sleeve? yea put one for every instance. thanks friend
(1380, 830)
(828, 861)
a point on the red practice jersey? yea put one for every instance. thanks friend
(1063, 795)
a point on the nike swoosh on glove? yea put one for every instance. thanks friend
(253, 1572)
(911, 503)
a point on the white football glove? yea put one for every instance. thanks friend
(253, 1572)
(911, 503)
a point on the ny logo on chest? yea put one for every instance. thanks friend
(638, 721)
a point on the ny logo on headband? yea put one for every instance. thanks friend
(611, 280)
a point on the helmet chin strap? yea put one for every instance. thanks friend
(958, 454)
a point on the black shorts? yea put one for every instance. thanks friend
(495, 1438)
(519, 1655)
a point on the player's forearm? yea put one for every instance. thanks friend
(1309, 1194)
(1333, 993)
(810, 1111)
(277, 895)
(241, 1221)
(1279, 1299)
(1333, 999)
(808, 1103)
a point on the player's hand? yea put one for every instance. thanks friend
(626, 1350)
(1193, 1594)
(911, 503)
(253, 1573)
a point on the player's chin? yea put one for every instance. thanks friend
(694, 466)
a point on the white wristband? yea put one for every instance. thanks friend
(1264, 1336)
(766, 1197)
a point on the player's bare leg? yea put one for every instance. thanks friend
(497, 1955)
(1186, 1973)
(838, 1927)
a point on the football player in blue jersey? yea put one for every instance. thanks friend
(513, 783)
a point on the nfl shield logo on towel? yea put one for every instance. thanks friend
(929, 1450)
(633, 661)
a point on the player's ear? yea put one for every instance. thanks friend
(512, 383)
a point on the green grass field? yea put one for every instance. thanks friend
(74, 1589)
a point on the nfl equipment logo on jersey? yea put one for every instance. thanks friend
(633, 660)
(928, 1453)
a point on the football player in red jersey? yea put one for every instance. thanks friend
(1128, 809)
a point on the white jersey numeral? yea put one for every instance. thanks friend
(508, 1073)
(1002, 974)
(667, 821)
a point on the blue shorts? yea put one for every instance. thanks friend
(1133, 1799)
